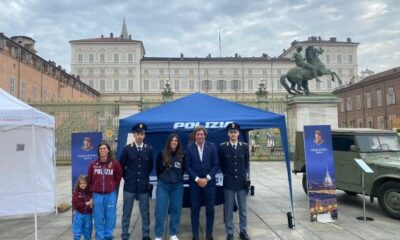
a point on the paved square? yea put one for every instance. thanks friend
(266, 214)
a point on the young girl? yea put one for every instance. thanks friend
(82, 206)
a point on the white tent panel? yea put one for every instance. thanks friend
(25, 178)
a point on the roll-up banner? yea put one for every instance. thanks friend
(84, 150)
(320, 171)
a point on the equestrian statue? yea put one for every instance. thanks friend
(306, 70)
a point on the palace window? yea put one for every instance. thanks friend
(12, 86)
(390, 121)
(102, 57)
(130, 85)
(206, 85)
(162, 86)
(358, 102)
(80, 57)
(390, 97)
(130, 57)
(23, 90)
(359, 123)
(176, 85)
(368, 100)
(350, 59)
(250, 84)
(116, 57)
(235, 85)
(370, 122)
(116, 85)
(221, 85)
(191, 84)
(381, 122)
(91, 57)
(349, 105)
(35, 92)
(339, 58)
(146, 85)
(342, 105)
(379, 98)
(102, 85)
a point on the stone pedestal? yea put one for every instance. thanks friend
(311, 110)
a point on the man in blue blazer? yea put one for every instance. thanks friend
(202, 163)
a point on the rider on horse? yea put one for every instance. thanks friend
(299, 60)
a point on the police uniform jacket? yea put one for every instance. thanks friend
(136, 167)
(234, 165)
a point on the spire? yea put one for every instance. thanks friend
(124, 31)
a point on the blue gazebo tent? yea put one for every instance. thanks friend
(183, 114)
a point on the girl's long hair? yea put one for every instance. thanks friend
(78, 180)
(167, 152)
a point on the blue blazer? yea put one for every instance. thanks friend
(209, 165)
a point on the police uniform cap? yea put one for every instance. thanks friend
(139, 127)
(233, 126)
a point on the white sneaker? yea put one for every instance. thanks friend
(173, 237)
(157, 238)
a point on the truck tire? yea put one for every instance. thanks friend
(389, 199)
(304, 183)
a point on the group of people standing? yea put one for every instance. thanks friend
(201, 160)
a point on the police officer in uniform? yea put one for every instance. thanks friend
(137, 163)
(234, 164)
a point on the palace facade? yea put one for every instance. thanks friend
(117, 67)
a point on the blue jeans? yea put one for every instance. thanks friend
(197, 196)
(129, 199)
(228, 210)
(104, 214)
(82, 225)
(168, 194)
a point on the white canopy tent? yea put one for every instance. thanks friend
(27, 163)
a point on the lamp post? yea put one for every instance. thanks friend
(167, 93)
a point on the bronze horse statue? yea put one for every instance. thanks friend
(299, 76)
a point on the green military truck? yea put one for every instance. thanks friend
(380, 149)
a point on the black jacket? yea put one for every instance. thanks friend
(136, 168)
(234, 165)
(172, 173)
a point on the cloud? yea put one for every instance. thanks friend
(374, 10)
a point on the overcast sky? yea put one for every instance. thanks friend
(248, 28)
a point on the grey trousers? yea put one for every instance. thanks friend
(228, 209)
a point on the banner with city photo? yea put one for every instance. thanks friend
(84, 150)
(320, 169)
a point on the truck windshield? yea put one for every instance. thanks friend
(376, 143)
